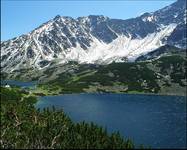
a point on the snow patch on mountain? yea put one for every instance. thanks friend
(149, 18)
(95, 39)
(185, 14)
(122, 47)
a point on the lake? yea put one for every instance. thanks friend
(31, 84)
(158, 121)
(152, 120)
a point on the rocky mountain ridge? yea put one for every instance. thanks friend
(95, 39)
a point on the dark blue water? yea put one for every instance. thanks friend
(158, 121)
(31, 84)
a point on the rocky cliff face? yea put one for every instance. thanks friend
(95, 39)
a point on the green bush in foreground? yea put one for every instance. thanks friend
(22, 126)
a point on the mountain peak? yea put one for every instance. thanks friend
(57, 17)
(98, 17)
(95, 39)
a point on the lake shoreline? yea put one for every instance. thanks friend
(147, 94)
(40, 91)
(129, 113)
(132, 115)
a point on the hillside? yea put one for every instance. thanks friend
(145, 54)
(24, 127)
(166, 75)
(95, 39)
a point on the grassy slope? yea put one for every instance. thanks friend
(166, 75)
(22, 126)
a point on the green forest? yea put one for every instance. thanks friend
(166, 75)
(25, 127)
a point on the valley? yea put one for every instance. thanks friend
(94, 82)
(98, 54)
(165, 76)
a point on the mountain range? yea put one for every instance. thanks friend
(96, 40)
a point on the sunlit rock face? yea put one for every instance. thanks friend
(95, 39)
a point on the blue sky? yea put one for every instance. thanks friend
(20, 17)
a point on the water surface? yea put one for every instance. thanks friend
(158, 121)
(29, 84)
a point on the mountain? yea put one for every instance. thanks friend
(95, 39)
(161, 51)
(165, 75)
